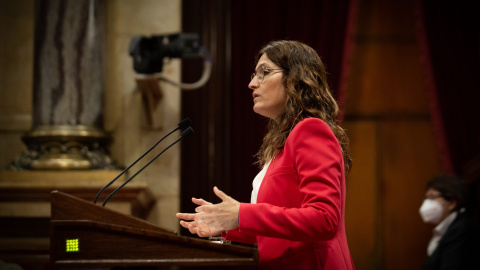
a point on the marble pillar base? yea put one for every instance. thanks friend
(65, 147)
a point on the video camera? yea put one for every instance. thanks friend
(148, 52)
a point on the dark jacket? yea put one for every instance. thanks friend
(454, 251)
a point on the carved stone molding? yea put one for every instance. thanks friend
(65, 148)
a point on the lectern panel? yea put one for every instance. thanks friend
(115, 239)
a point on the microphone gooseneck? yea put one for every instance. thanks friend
(183, 125)
(187, 132)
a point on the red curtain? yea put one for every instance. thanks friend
(449, 36)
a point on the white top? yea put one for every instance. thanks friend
(439, 231)
(257, 182)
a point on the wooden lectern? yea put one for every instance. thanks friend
(83, 234)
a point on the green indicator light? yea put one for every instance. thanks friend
(72, 245)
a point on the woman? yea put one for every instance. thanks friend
(297, 211)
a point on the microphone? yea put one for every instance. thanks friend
(185, 123)
(187, 132)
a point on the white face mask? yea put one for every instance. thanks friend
(431, 211)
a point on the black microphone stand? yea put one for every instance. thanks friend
(185, 133)
(182, 126)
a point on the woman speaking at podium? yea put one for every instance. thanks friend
(297, 210)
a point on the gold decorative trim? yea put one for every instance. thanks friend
(63, 147)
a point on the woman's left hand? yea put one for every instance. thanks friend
(212, 219)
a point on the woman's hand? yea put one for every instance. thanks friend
(212, 219)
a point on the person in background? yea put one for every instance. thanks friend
(297, 211)
(444, 206)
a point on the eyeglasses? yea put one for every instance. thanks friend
(434, 196)
(263, 72)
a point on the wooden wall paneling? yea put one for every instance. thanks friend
(409, 160)
(387, 65)
(363, 206)
(390, 77)
(386, 91)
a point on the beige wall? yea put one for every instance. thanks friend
(123, 112)
(16, 76)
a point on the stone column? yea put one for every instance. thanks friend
(68, 88)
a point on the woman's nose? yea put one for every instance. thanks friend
(253, 83)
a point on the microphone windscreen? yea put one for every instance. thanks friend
(187, 132)
(185, 123)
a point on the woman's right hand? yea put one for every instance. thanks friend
(193, 223)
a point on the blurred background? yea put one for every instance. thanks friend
(404, 74)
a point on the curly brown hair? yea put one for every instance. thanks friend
(308, 95)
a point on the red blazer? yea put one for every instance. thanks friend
(298, 221)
